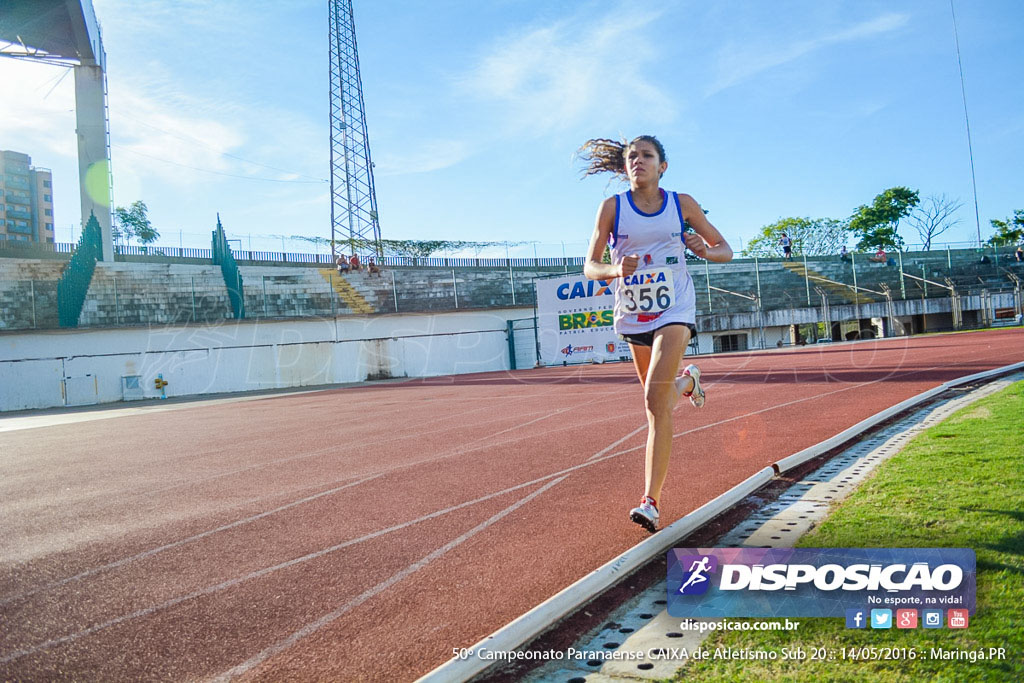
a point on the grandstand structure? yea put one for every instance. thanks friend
(209, 321)
(162, 286)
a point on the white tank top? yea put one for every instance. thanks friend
(658, 239)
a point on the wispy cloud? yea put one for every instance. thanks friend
(163, 123)
(737, 64)
(573, 72)
(32, 122)
(432, 155)
(579, 71)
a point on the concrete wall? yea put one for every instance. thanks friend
(28, 293)
(43, 369)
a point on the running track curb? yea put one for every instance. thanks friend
(532, 624)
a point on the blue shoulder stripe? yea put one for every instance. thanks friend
(679, 212)
(612, 238)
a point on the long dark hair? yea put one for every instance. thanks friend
(602, 155)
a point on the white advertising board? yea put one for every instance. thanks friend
(574, 321)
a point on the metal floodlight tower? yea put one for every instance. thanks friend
(353, 197)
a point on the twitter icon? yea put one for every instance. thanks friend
(881, 618)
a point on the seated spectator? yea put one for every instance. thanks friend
(354, 262)
(1019, 254)
(843, 254)
(372, 268)
(880, 256)
(342, 263)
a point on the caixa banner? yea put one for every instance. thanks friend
(575, 321)
(816, 582)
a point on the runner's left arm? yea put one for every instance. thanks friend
(707, 243)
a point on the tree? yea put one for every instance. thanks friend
(933, 217)
(876, 225)
(811, 236)
(1010, 231)
(134, 223)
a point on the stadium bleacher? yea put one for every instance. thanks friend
(181, 290)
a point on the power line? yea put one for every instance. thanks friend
(970, 148)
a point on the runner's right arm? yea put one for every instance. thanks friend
(594, 269)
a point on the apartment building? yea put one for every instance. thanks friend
(26, 199)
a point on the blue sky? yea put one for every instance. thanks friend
(474, 110)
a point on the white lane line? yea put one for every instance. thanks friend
(389, 439)
(269, 570)
(561, 474)
(634, 433)
(410, 428)
(754, 412)
(616, 443)
(11, 424)
(469, 445)
(184, 541)
(327, 619)
(113, 565)
(594, 460)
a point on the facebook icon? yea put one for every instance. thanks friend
(856, 618)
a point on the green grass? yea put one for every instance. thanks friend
(960, 484)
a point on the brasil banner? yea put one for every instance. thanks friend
(574, 321)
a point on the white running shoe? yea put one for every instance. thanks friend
(646, 515)
(697, 393)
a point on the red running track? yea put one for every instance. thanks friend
(362, 533)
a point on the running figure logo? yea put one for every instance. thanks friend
(699, 566)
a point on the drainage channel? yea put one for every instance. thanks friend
(620, 607)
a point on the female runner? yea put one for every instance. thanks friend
(655, 305)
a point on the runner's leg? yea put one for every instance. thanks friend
(641, 360)
(660, 397)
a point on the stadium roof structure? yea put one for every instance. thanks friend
(66, 33)
(60, 31)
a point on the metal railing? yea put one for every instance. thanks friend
(74, 282)
(223, 257)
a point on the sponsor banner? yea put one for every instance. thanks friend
(817, 582)
(574, 321)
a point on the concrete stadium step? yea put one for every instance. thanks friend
(122, 293)
(353, 298)
(12, 269)
(832, 287)
(28, 293)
